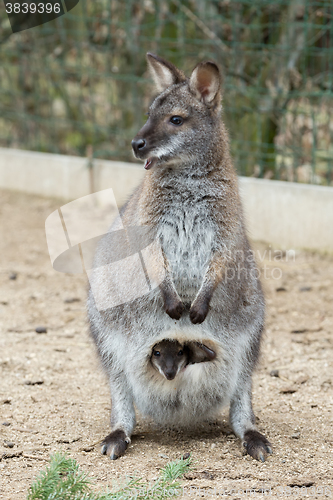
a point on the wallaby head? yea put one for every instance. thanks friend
(169, 357)
(184, 117)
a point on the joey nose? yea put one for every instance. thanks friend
(170, 375)
(138, 145)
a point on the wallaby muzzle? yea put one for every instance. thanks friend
(138, 145)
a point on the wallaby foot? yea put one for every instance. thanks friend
(115, 444)
(199, 311)
(256, 445)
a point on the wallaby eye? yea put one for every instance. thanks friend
(180, 353)
(157, 353)
(176, 120)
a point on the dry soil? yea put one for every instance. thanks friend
(53, 394)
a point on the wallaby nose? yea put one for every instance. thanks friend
(138, 145)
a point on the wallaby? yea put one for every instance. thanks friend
(169, 357)
(210, 293)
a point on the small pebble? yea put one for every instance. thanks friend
(7, 401)
(6, 424)
(305, 288)
(87, 449)
(8, 444)
(186, 456)
(288, 390)
(12, 455)
(162, 455)
(274, 373)
(41, 329)
(34, 382)
(281, 289)
(302, 379)
(296, 436)
(13, 276)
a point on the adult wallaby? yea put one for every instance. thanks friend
(210, 293)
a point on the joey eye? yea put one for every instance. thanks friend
(157, 353)
(176, 120)
(180, 353)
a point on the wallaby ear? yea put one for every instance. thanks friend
(205, 83)
(199, 353)
(163, 72)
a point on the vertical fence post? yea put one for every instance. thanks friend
(89, 154)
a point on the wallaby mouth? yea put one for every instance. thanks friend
(150, 162)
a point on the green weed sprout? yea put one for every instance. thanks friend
(62, 480)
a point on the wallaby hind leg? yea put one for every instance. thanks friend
(122, 418)
(242, 421)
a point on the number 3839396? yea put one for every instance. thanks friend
(32, 8)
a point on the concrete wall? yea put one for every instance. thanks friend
(66, 177)
(287, 215)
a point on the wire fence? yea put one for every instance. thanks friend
(81, 81)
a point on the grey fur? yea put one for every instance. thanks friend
(211, 293)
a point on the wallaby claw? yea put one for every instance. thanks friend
(174, 309)
(198, 313)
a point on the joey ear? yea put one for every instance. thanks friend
(199, 353)
(163, 72)
(205, 83)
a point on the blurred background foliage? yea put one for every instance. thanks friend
(80, 83)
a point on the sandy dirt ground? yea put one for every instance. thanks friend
(53, 394)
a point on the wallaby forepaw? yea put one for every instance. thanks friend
(198, 312)
(115, 444)
(257, 445)
(174, 308)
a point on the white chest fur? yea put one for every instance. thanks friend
(187, 234)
